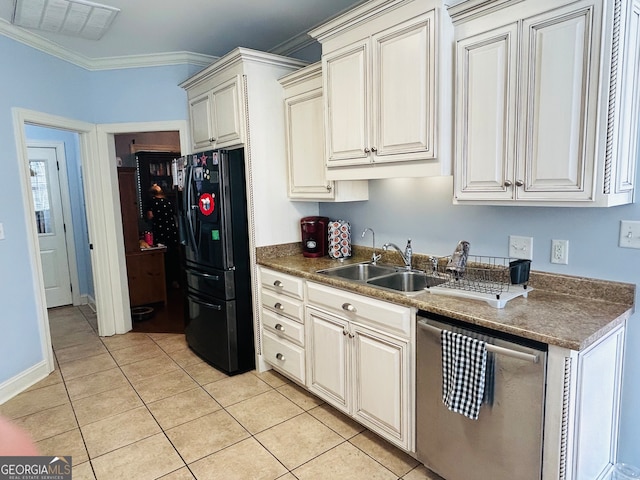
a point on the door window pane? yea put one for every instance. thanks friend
(40, 191)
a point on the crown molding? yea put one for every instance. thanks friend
(106, 63)
(286, 48)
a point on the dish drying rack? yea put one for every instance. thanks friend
(493, 279)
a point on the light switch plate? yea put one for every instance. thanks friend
(629, 234)
(1, 232)
(521, 247)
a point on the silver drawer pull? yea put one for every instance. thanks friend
(348, 307)
(279, 356)
(278, 306)
(279, 327)
(277, 283)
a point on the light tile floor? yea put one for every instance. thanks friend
(143, 406)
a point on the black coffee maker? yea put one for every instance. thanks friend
(314, 236)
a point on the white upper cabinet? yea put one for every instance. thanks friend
(545, 111)
(379, 71)
(217, 113)
(305, 139)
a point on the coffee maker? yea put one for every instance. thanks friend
(314, 236)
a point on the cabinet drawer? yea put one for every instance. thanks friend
(282, 283)
(283, 327)
(283, 355)
(282, 304)
(365, 310)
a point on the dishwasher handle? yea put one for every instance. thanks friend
(530, 357)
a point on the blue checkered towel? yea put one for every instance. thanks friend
(464, 361)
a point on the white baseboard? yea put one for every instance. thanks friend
(91, 302)
(18, 384)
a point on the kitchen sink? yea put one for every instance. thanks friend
(406, 281)
(360, 272)
(385, 276)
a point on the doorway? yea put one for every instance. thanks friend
(153, 263)
(98, 163)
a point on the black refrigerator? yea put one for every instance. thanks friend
(215, 236)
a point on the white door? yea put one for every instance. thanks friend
(47, 200)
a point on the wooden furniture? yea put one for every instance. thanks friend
(145, 268)
(379, 68)
(304, 132)
(546, 101)
(127, 178)
(145, 273)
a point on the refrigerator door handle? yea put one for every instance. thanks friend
(206, 304)
(187, 204)
(206, 275)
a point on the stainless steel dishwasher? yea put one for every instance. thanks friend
(505, 442)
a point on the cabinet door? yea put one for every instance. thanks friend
(304, 117)
(327, 358)
(381, 400)
(202, 128)
(486, 80)
(228, 113)
(346, 103)
(558, 103)
(403, 71)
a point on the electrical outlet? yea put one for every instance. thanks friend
(521, 247)
(560, 251)
(629, 234)
(1, 232)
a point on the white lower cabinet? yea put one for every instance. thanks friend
(357, 366)
(282, 336)
(582, 409)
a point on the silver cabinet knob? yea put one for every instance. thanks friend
(374, 149)
(279, 327)
(212, 139)
(329, 188)
(507, 183)
(519, 183)
(366, 150)
(279, 356)
(278, 306)
(277, 283)
(348, 307)
(351, 335)
(344, 332)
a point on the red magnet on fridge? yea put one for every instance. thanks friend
(207, 203)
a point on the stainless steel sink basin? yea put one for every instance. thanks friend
(406, 281)
(360, 272)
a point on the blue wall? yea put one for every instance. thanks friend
(37, 81)
(421, 209)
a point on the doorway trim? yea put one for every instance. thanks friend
(61, 156)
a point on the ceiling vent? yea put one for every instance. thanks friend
(77, 18)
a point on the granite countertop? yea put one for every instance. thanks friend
(566, 311)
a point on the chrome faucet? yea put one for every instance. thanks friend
(374, 257)
(406, 256)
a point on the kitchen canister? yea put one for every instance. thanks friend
(339, 239)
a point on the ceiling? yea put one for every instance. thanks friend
(206, 27)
